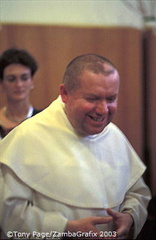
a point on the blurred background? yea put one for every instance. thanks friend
(124, 31)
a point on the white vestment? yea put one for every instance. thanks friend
(52, 175)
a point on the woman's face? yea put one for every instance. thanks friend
(17, 82)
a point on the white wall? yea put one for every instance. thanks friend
(71, 12)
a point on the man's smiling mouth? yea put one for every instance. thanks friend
(97, 119)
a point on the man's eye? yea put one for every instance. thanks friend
(91, 99)
(111, 99)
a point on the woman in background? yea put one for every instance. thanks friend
(17, 68)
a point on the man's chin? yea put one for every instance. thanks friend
(96, 131)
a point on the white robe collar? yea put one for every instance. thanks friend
(91, 172)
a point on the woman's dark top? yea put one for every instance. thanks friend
(3, 132)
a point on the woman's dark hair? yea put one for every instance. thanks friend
(17, 56)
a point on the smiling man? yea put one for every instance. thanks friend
(69, 170)
(92, 103)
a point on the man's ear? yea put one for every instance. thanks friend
(63, 93)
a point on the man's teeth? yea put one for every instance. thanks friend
(97, 119)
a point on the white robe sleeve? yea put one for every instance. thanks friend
(18, 201)
(135, 203)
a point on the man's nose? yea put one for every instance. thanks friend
(102, 107)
